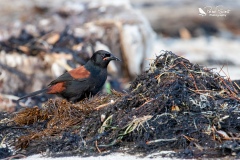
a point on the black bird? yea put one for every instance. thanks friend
(80, 82)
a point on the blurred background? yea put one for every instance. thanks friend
(40, 39)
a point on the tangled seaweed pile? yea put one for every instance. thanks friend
(175, 105)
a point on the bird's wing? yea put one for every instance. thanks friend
(79, 74)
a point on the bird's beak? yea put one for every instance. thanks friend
(112, 57)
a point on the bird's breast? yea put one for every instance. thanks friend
(98, 78)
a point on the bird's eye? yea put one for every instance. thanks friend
(107, 55)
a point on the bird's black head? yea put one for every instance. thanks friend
(101, 58)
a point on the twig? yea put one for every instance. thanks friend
(189, 138)
(237, 85)
(145, 103)
(160, 140)
(231, 91)
(198, 91)
(104, 105)
(96, 145)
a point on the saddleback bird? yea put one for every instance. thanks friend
(80, 82)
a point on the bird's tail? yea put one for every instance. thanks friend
(33, 94)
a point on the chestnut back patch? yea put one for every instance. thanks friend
(80, 72)
(57, 88)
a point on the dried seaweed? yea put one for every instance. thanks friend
(175, 105)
